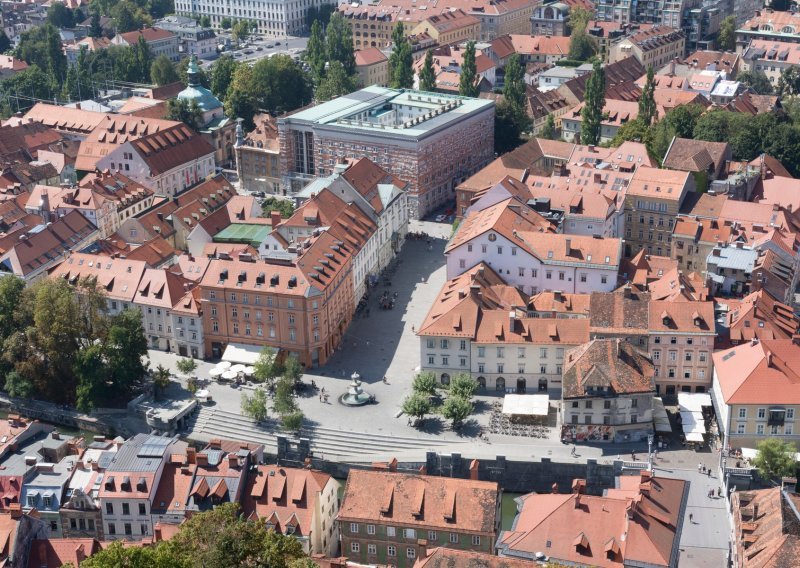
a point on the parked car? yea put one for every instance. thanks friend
(277, 43)
(270, 46)
(441, 218)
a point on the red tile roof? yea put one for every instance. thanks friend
(759, 372)
(420, 500)
(149, 34)
(766, 528)
(607, 363)
(171, 147)
(369, 56)
(56, 552)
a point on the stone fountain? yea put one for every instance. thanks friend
(355, 395)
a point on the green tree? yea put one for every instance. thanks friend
(719, 125)
(162, 71)
(456, 410)
(293, 421)
(463, 386)
(241, 30)
(514, 87)
(726, 40)
(633, 130)
(780, 5)
(756, 80)
(95, 29)
(468, 81)
(186, 365)
(284, 206)
(339, 43)
(510, 122)
(116, 555)
(185, 111)
(125, 349)
(266, 367)
(335, 83)
(316, 52)
(241, 99)
(283, 402)
(91, 369)
(427, 76)
(5, 43)
(581, 45)
(18, 386)
(292, 370)
(205, 21)
(549, 129)
(647, 102)
(255, 405)
(225, 23)
(41, 46)
(127, 16)
(682, 120)
(775, 459)
(416, 406)
(280, 85)
(222, 75)
(59, 15)
(658, 139)
(789, 81)
(594, 101)
(161, 380)
(401, 61)
(425, 384)
(11, 291)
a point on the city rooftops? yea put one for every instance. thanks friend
(249, 233)
(403, 112)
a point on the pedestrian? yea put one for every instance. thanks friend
(708, 471)
(691, 517)
(413, 330)
(699, 468)
(719, 491)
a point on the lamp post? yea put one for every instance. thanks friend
(650, 452)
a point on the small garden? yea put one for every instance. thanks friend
(453, 402)
(278, 379)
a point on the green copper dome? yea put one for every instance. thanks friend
(196, 92)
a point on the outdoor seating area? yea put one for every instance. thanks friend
(695, 417)
(521, 415)
(225, 372)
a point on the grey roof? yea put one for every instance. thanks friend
(142, 453)
(14, 463)
(733, 258)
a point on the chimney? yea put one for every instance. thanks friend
(716, 252)
(796, 339)
(579, 486)
(568, 246)
(473, 470)
(671, 67)
(769, 358)
(191, 453)
(626, 290)
(233, 461)
(274, 218)
(201, 459)
(16, 510)
(512, 318)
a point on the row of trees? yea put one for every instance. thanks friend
(280, 378)
(424, 399)
(331, 58)
(218, 538)
(60, 344)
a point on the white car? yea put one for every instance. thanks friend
(441, 218)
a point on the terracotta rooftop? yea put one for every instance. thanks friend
(369, 56)
(560, 304)
(682, 317)
(265, 133)
(695, 155)
(636, 524)
(766, 528)
(63, 119)
(621, 312)
(658, 183)
(452, 558)
(112, 131)
(759, 372)
(149, 34)
(759, 315)
(613, 364)
(118, 278)
(420, 500)
(171, 147)
(284, 496)
(57, 552)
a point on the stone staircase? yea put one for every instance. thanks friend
(209, 423)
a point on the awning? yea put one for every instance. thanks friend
(660, 418)
(241, 353)
(693, 401)
(692, 422)
(526, 404)
(694, 437)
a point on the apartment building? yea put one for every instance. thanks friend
(193, 39)
(607, 396)
(187, 325)
(531, 48)
(130, 482)
(449, 28)
(755, 392)
(758, 315)
(159, 41)
(372, 67)
(646, 509)
(393, 518)
(616, 114)
(271, 19)
(44, 489)
(168, 161)
(302, 503)
(681, 341)
(652, 202)
(767, 25)
(551, 18)
(301, 307)
(257, 155)
(372, 23)
(519, 244)
(729, 269)
(480, 325)
(432, 142)
(656, 46)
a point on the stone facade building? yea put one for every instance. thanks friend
(432, 142)
(257, 156)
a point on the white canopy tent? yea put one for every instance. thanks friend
(691, 406)
(241, 353)
(694, 437)
(693, 401)
(660, 418)
(215, 372)
(526, 404)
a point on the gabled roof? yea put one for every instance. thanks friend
(149, 34)
(621, 312)
(420, 500)
(681, 316)
(366, 176)
(759, 372)
(695, 155)
(766, 533)
(57, 552)
(160, 288)
(369, 56)
(171, 147)
(64, 119)
(759, 315)
(117, 278)
(508, 217)
(607, 363)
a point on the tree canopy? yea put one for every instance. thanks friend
(427, 76)
(726, 40)
(594, 101)
(468, 81)
(401, 61)
(775, 459)
(162, 71)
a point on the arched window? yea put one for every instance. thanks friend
(445, 379)
(500, 384)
